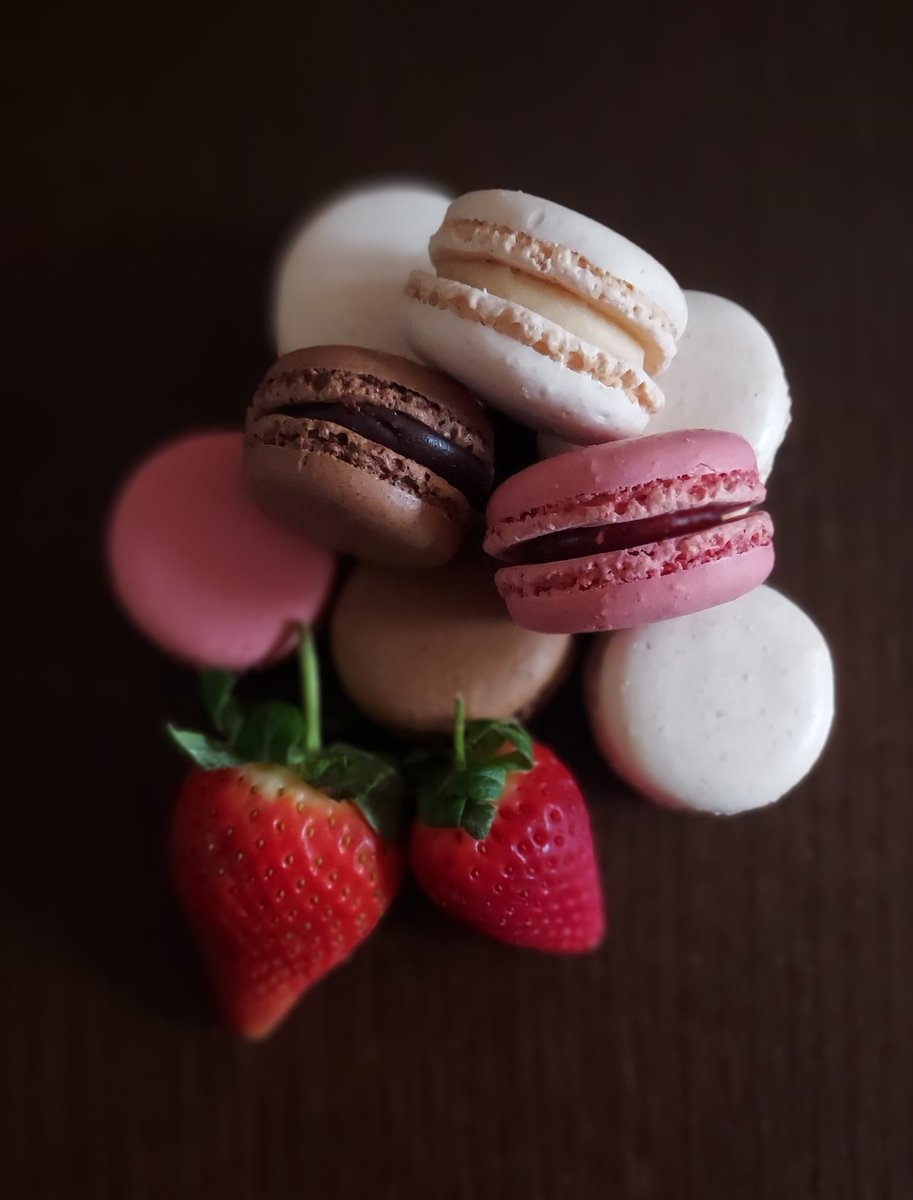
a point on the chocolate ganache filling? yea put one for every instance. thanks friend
(621, 535)
(397, 431)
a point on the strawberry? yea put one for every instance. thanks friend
(503, 841)
(279, 849)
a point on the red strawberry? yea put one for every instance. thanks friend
(503, 842)
(278, 851)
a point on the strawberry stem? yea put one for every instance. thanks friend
(459, 735)
(310, 689)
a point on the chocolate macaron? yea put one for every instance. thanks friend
(374, 455)
(406, 642)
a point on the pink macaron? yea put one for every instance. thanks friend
(631, 532)
(200, 570)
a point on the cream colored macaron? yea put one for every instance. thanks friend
(340, 276)
(721, 711)
(726, 375)
(551, 316)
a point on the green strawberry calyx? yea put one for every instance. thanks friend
(285, 735)
(465, 792)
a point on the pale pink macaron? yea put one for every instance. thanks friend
(632, 532)
(547, 314)
(200, 570)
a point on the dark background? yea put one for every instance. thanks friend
(747, 1031)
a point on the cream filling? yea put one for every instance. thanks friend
(553, 303)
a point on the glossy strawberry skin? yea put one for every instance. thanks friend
(281, 883)
(534, 880)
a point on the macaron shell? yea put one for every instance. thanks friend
(564, 227)
(341, 275)
(536, 390)
(351, 509)
(394, 371)
(598, 470)
(405, 643)
(727, 374)
(591, 608)
(720, 712)
(200, 570)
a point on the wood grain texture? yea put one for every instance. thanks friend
(747, 1032)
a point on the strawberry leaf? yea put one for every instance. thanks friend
(465, 799)
(483, 784)
(206, 752)
(370, 781)
(485, 740)
(466, 792)
(513, 761)
(272, 732)
(218, 697)
(478, 819)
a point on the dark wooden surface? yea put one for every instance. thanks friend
(747, 1032)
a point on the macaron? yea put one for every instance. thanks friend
(340, 277)
(727, 375)
(200, 570)
(405, 643)
(720, 711)
(628, 533)
(552, 317)
(372, 454)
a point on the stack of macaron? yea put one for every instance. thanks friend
(411, 329)
(405, 324)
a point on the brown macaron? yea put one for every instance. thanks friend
(405, 643)
(374, 455)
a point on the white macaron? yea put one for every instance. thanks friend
(720, 712)
(340, 278)
(726, 375)
(549, 315)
